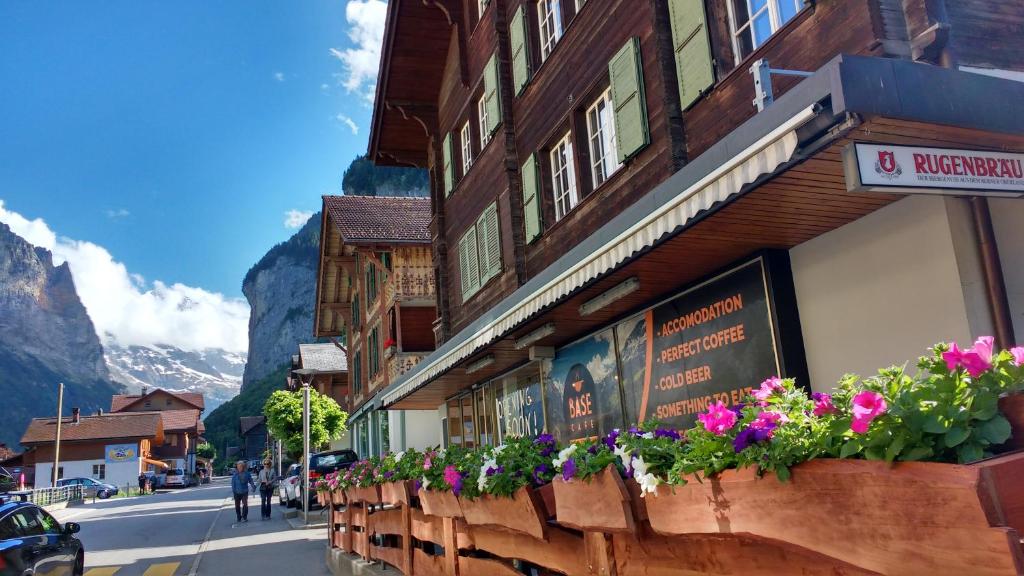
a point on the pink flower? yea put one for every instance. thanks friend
(953, 357)
(867, 406)
(768, 387)
(823, 404)
(1018, 355)
(717, 419)
(978, 358)
(426, 463)
(453, 478)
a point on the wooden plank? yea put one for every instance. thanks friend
(392, 556)
(386, 522)
(427, 528)
(563, 552)
(600, 554)
(451, 549)
(424, 564)
(469, 565)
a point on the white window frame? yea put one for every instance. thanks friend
(604, 153)
(549, 17)
(563, 177)
(466, 143)
(774, 17)
(580, 4)
(481, 112)
(481, 5)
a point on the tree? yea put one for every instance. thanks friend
(206, 450)
(284, 419)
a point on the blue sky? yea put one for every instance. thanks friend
(178, 135)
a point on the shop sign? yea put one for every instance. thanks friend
(520, 410)
(914, 169)
(583, 398)
(120, 452)
(714, 342)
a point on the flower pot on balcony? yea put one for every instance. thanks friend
(523, 512)
(440, 503)
(369, 495)
(914, 517)
(396, 493)
(1012, 407)
(599, 503)
(389, 352)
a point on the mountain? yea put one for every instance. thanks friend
(362, 178)
(215, 373)
(46, 337)
(280, 289)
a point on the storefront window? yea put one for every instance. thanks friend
(484, 399)
(455, 434)
(519, 408)
(583, 399)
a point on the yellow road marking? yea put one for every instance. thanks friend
(165, 569)
(103, 571)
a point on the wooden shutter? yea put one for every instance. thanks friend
(448, 166)
(520, 50)
(531, 202)
(627, 81)
(492, 99)
(489, 243)
(694, 67)
(469, 264)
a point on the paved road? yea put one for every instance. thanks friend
(192, 531)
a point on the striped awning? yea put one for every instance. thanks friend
(760, 159)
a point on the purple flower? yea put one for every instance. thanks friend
(544, 439)
(823, 404)
(610, 438)
(667, 433)
(568, 469)
(592, 449)
(539, 472)
(418, 484)
(491, 470)
(743, 439)
(635, 431)
(738, 408)
(389, 474)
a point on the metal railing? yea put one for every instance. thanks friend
(49, 496)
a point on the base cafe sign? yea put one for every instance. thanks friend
(913, 169)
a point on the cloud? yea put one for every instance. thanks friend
(296, 218)
(360, 61)
(279, 76)
(127, 309)
(325, 87)
(347, 122)
(118, 213)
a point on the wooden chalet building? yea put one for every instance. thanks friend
(182, 422)
(376, 299)
(640, 206)
(255, 439)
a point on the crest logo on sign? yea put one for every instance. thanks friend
(887, 166)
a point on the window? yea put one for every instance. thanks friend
(373, 343)
(481, 5)
(579, 4)
(754, 21)
(604, 158)
(466, 141)
(480, 252)
(27, 522)
(357, 374)
(549, 15)
(8, 529)
(174, 439)
(356, 320)
(60, 472)
(148, 404)
(99, 471)
(485, 131)
(168, 401)
(47, 522)
(371, 283)
(563, 178)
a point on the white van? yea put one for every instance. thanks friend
(176, 478)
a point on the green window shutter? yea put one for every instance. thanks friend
(627, 81)
(694, 67)
(489, 243)
(531, 202)
(469, 264)
(492, 98)
(520, 50)
(448, 167)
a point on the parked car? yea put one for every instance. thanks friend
(177, 478)
(90, 487)
(288, 487)
(320, 465)
(33, 542)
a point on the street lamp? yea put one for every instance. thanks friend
(306, 376)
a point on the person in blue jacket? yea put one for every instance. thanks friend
(241, 483)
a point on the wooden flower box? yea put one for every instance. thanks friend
(338, 497)
(908, 518)
(321, 498)
(1012, 406)
(440, 503)
(599, 503)
(523, 512)
(370, 495)
(396, 493)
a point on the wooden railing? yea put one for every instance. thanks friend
(849, 517)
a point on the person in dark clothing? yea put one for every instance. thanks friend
(267, 479)
(241, 482)
(142, 483)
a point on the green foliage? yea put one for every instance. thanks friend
(284, 419)
(519, 462)
(222, 423)
(206, 450)
(363, 178)
(303, 248)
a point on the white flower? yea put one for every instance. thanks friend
(648, 482)
(399, 455)
(623, 455)
(426, 483)
(497, 449)
(564, 455)
(647, 435)
(481, 481)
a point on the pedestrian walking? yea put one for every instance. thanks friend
(267, 479)
(142, 482)
(241, 481)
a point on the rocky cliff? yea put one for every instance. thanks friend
(281, 289)
(46, 337)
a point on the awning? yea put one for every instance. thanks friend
(756, 150)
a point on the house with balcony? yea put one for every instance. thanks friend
(641, 207)
(376, 302)
(181, 413)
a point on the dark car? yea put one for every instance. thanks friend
(90, 487)
(324, 463)
(33, 542)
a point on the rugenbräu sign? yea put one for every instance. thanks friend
(915, 169)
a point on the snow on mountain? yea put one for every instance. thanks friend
(217, 374)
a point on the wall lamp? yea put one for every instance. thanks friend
(542, 332)
(478, 365)
(617, 292)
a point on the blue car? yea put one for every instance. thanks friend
(33, 542)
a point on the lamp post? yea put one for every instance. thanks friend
(306, 376)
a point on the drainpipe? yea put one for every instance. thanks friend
(991, 267)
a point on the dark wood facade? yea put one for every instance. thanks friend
(432, 76)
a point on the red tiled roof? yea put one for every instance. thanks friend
(121, 401)
(179, 419)
(380, 218)
(119, 425)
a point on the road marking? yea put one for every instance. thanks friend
(164, 569)
(104, 571)
(206, 539)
